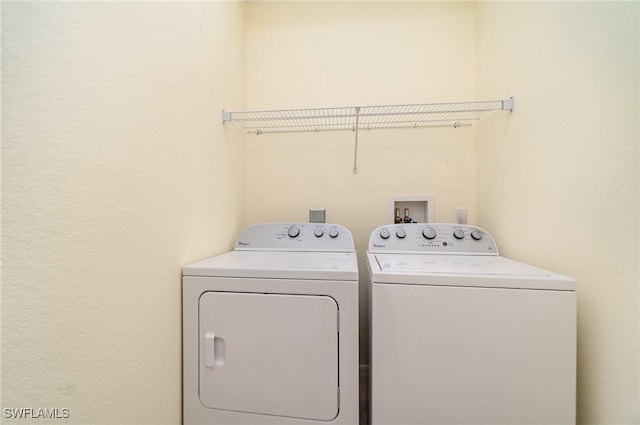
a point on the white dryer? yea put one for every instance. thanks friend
(270, 329)
(462, 335)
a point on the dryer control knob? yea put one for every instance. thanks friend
(384, 234)
(333, 233)
(476, 234)
(459, 234)
(429, 233)
(319, 233)
(401, 234)
(293, 232)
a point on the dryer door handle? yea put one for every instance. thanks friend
(210, 349)
(215, 350)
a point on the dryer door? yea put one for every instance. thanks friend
(270, 354)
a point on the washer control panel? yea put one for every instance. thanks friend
(433, 238)
(296, 237)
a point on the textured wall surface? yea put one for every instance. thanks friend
(116, 170)
(558, 180)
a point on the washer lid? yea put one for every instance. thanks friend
(463, 270)
(280, 265)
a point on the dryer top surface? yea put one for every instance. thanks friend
(278, 265)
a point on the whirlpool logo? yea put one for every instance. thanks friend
(243, 243)
(375, 245)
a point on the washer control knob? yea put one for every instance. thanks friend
(429, 233)
(384, 234)
(293, 232)
(459, 234)
(401, 234)
(476, 234)
(333, 233)
(318, 232)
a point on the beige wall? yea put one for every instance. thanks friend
(558, 180)
(116, 171)
(302, 55)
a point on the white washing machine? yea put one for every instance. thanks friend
(461, 335)
(270, 329)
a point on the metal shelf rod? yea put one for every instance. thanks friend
(453, 114)
(338, 118)
(363, 115)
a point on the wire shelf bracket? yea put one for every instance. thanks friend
(354, 118)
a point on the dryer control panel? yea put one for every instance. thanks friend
(295, 237)
(432, 238)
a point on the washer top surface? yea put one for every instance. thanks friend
(430, 254)
(310, 251)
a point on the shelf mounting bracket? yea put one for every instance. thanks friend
(508, 104)
(355, 150)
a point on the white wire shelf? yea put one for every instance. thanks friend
(454, 114)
